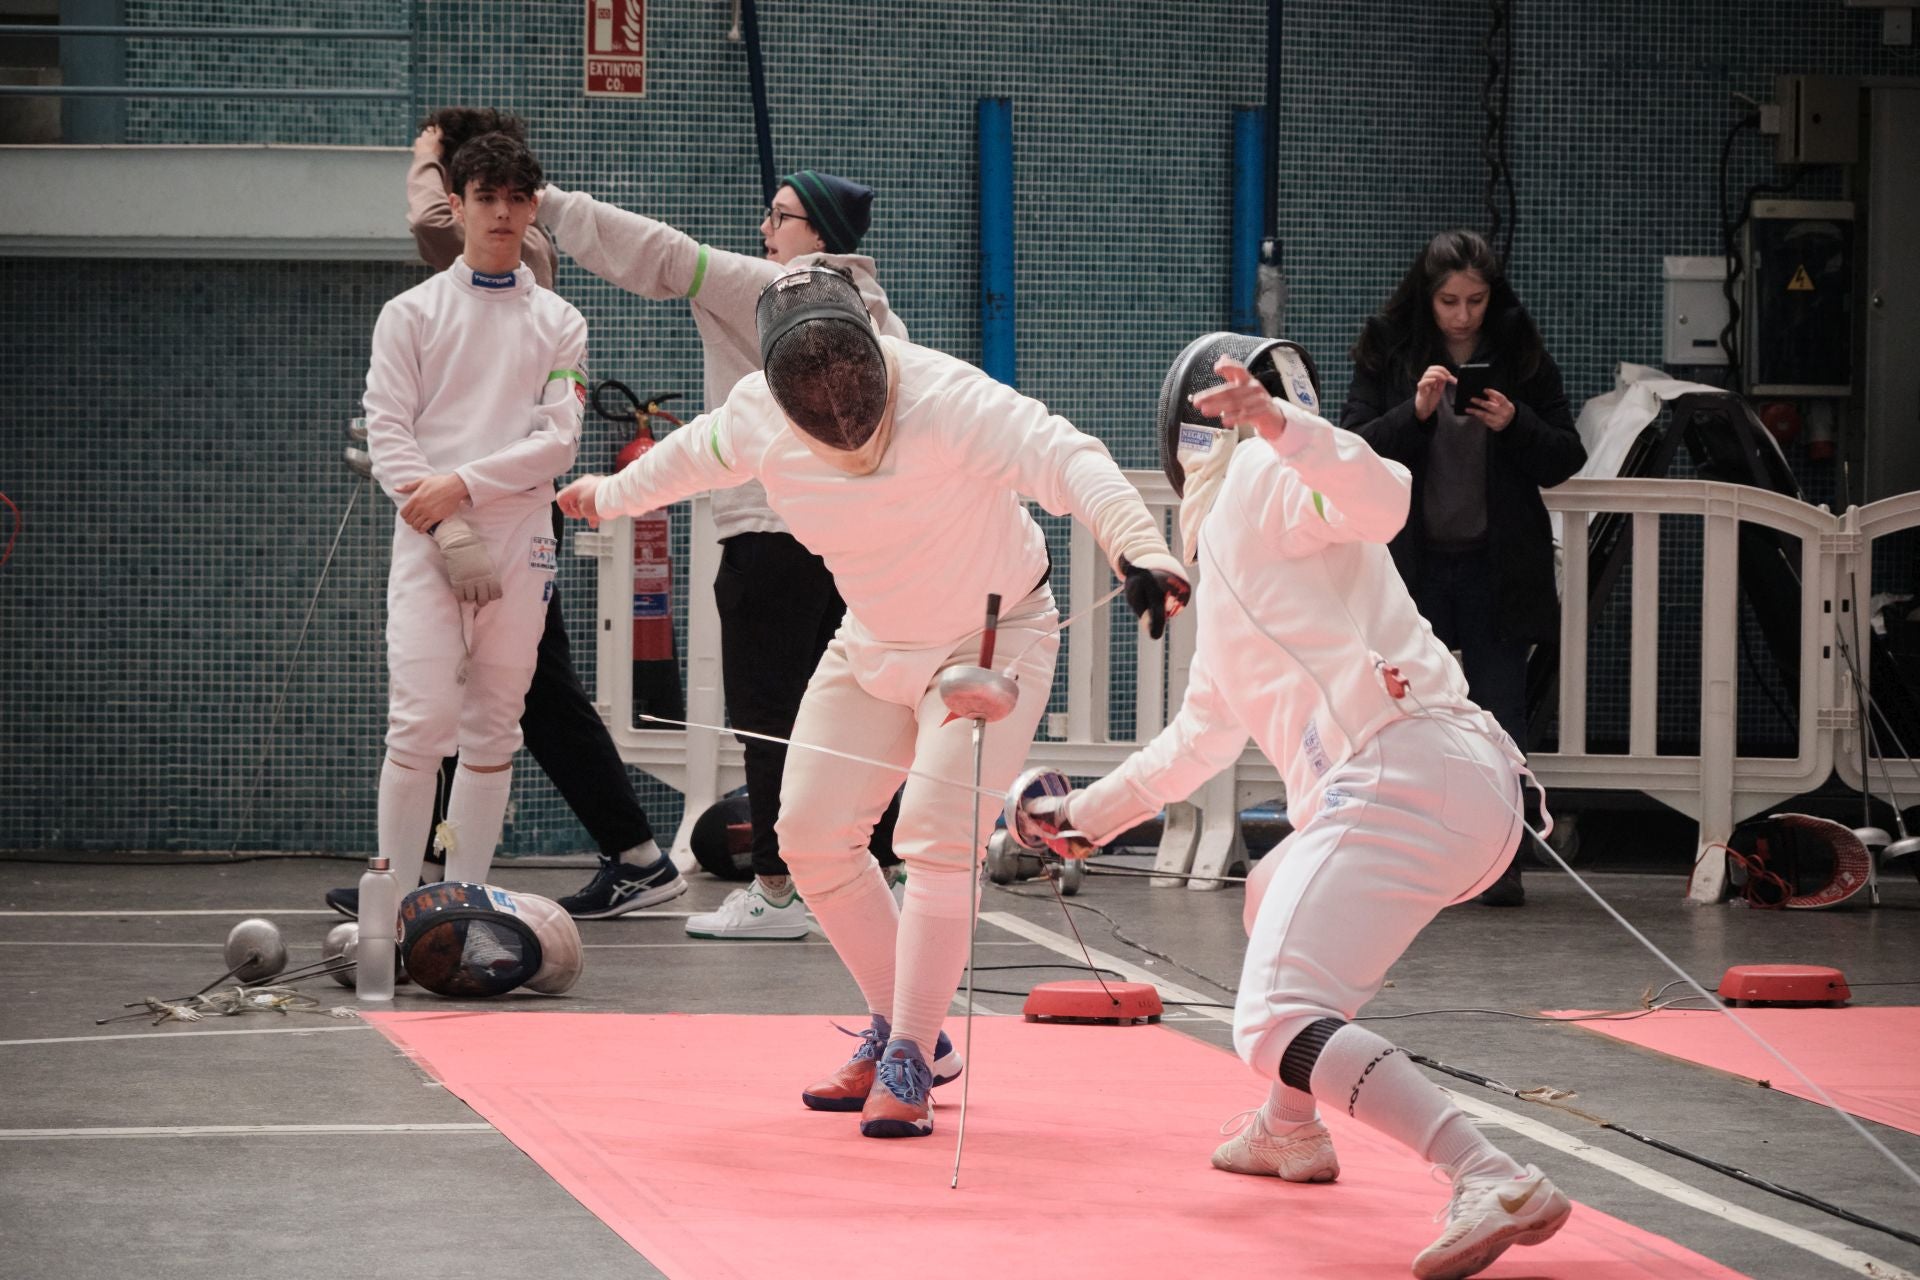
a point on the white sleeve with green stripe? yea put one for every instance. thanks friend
(1340, 490)
(548, 449)
(698, 457)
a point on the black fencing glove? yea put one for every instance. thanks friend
(1157, 589)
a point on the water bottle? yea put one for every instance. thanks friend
(379, 914)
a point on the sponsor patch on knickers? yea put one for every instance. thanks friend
(1333, 798)
(1316, 752)
(544, 555)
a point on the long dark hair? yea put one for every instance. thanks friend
(1401, 340)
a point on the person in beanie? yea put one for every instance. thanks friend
(778, 603)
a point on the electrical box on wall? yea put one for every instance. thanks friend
(1799, 298)
(1819, 119)
(1696, 310)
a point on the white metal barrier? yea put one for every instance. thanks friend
(1717, 787)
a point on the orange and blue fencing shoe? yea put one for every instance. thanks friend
(901, 1104)
(847, 1088)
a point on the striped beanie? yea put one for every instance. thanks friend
(837, 208)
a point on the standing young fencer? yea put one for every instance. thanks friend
(777, 601)
(1402, 792)
(473, 408)
(903, 469)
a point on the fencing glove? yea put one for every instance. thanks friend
(1156, 590)
(469, 567)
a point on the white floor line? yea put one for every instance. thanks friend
(237, 1131)
(317, 1028)
(1821, 1246)
(1833, 1251)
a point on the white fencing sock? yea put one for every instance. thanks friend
(862, 922)
(476, 810)
(405, 817)
(1372, 1080)
(1287, 1108)
(933, 953)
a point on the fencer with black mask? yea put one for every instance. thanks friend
(903, 468)
(1397, 785)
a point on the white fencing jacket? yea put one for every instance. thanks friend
(916, 546)
(479, 375)
(1305, 630)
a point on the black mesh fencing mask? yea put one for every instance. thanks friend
(1284, 368)
(822, 357)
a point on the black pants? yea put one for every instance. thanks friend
(778, 609)
(570, 743)
(1458, 595)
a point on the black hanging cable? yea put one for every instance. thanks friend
(1496, 97)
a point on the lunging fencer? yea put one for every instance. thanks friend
(1402, 792)
(903, 469)
(473, 407)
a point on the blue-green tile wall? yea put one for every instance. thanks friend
(172, 429)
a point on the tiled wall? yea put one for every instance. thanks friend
(173, 428)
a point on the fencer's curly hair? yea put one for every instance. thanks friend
(829, 382)
(1398, 342)
(496, 161)
(457, 125)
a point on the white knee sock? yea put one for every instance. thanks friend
(1371, 1080)
(862, 922)
(932, 954)
(405, 815)
(476, 810)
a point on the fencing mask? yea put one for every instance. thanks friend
(467, 940)
(1796, 860)
(822, 357)
(1194, 448)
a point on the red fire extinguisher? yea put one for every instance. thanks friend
(656, 666)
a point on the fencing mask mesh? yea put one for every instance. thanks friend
(1284, 368)
(467, 940)
(822, 357)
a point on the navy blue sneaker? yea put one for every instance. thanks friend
(901, 1104)
(620, 887)
(847, 1089)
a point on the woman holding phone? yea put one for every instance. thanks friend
(1452, 380)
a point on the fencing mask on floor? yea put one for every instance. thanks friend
(822, 357)
(474, 940)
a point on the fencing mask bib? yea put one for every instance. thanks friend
(1194, 448)
(473, 940)
(822, 358)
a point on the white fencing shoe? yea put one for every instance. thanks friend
(1303, 1153)
(746, 914)
(1486, 1216)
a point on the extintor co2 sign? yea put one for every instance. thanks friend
(616, 48)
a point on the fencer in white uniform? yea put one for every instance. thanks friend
(903, 469)
(473, 405)
(1402, 793)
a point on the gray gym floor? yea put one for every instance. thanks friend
(78, 1199)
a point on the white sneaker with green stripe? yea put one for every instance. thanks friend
(748, 914)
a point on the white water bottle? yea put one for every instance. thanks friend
(379, 915)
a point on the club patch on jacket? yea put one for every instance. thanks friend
(1316, 752)
(544, 555)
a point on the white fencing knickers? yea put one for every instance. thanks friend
(882, 704)
(1425, 815)
(433, 640)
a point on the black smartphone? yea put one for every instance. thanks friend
(1473, 382)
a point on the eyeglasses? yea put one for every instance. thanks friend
(776, 215)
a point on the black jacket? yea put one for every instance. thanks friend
(1538, 450)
